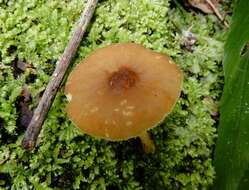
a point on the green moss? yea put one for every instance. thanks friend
(36, 31)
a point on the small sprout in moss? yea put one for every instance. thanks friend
(121, 91)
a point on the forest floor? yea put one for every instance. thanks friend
(33, 35)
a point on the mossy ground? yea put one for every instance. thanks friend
(36, 32)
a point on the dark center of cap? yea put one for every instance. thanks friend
(123, 79)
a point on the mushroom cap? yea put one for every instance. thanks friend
(121, 90)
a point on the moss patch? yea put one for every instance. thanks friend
(36, 32)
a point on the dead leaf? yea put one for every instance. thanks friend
(26, 94)
(25, 114)
(19, 67)
(208, 6)
(203, 5)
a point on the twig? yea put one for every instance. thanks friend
(217, 12)
(44, 105)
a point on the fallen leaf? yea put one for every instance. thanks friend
(25, 114)
(26, 94)
(208, 6)
(203, 5)
(19, 67)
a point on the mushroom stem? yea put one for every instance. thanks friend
(147, 142)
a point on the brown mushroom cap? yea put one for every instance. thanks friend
(122, 90)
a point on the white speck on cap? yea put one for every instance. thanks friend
(130, 107)
(69, 97)
(128, 123)
(116, 110)
(94, 109)
(127, 113)
(123, 102)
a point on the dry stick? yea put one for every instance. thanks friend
(217, 12)
(44, 105)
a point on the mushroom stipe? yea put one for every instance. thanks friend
(120, 91)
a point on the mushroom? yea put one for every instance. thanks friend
(120, 91)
